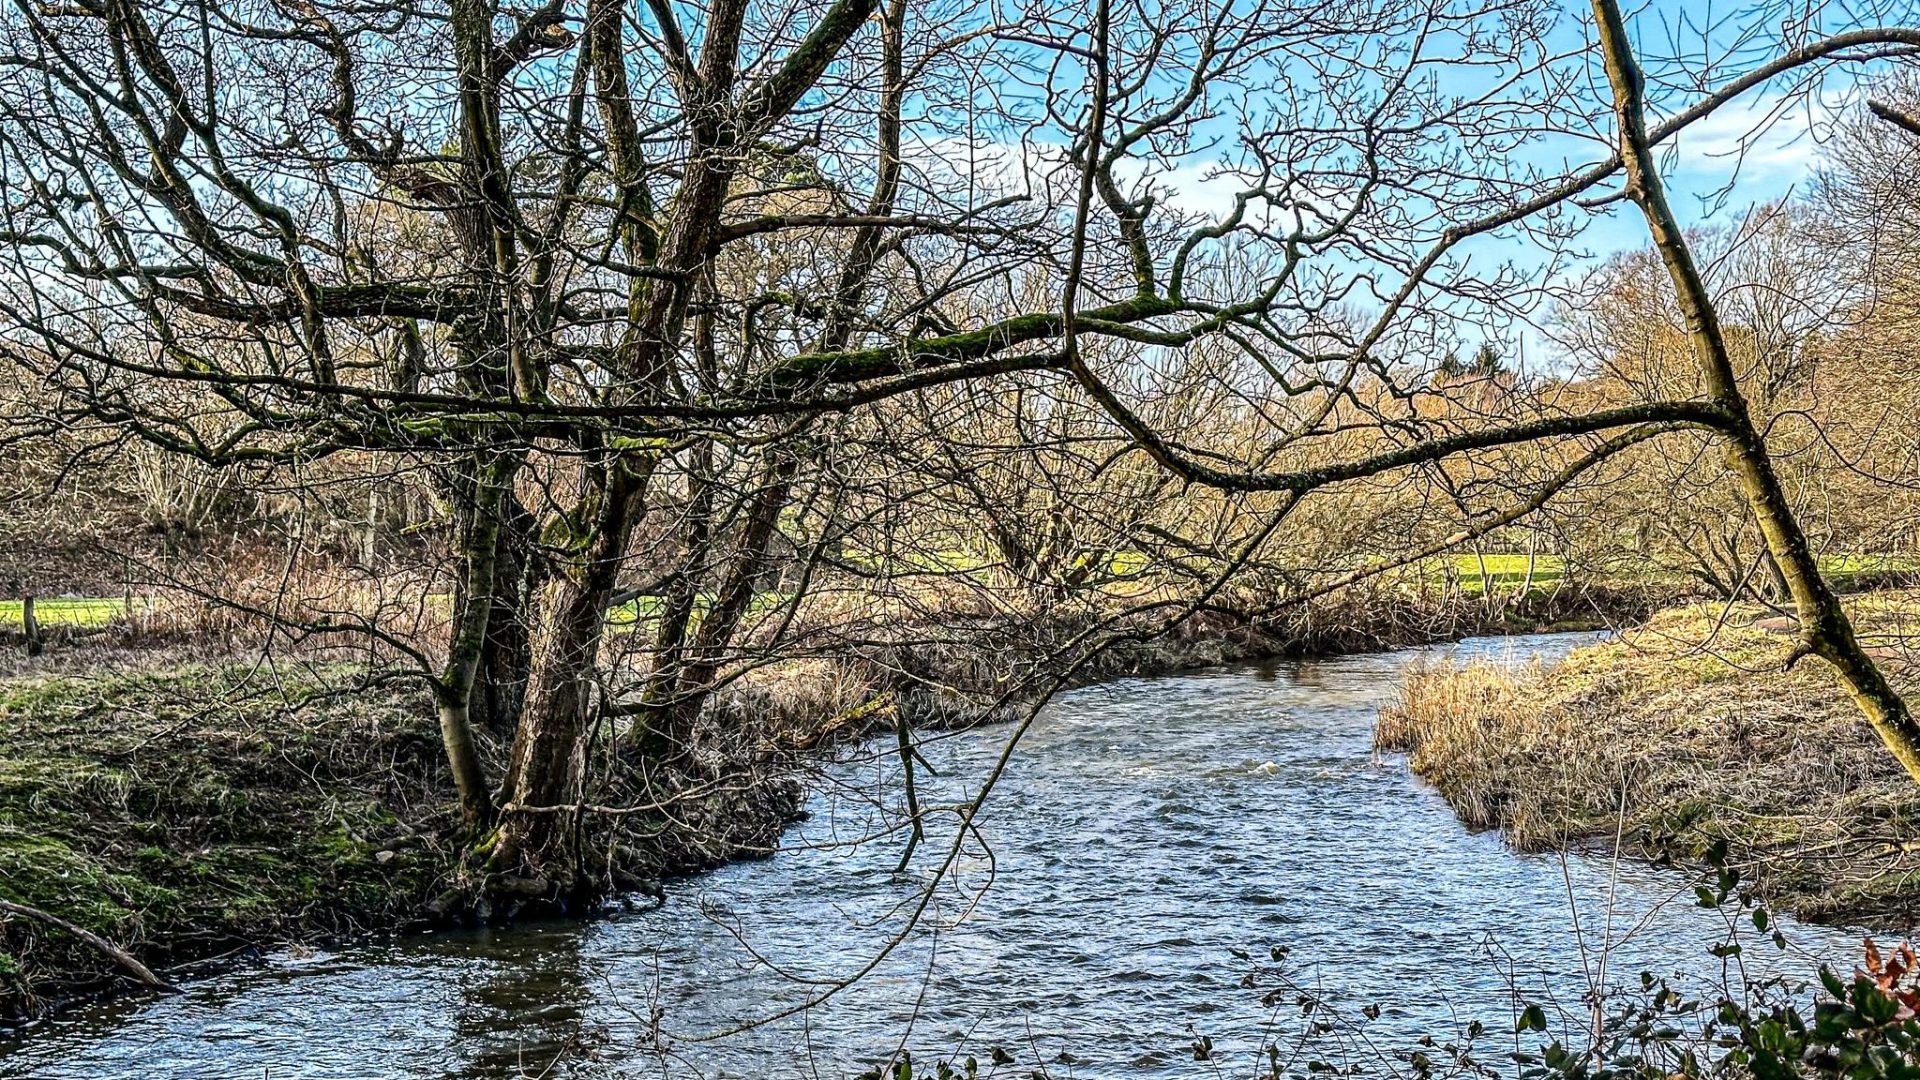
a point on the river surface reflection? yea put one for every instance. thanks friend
(1152, 842)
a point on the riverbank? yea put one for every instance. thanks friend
(196, 814)
(192, 811)
(1686, 731)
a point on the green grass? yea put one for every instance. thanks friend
(1850, 572)
(633, 612)
(1867, 564)
(1507, 568)
(1504, 571)
(642, 613)
(181, 809)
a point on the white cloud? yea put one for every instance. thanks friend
(1197, 186)
(1768, 138)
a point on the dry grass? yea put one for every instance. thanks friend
(1679, 733)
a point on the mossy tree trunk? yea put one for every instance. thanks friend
(453, 689)
(1826, 631)
(506, 655)
(546, 779)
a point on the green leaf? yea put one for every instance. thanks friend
(1878, 1008)
(1833, 984)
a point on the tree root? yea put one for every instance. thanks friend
(141, 972)
(474, 897)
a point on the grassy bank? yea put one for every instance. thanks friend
(1688, 730)
(185, 812)
(192, 813)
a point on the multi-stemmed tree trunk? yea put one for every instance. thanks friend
(545, 783)
(546, 777)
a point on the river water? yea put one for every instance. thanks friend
(1151, 845)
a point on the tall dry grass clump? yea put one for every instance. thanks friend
(1454, 723)
(1690, 729)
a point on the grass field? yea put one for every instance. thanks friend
(66, 611)
(1506, 570)
(1502, 571)
(1500, 568)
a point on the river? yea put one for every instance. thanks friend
(1153, 843)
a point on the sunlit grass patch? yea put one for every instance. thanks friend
(1855, 564)
(1508, 568)
(1502, 571)
(636, 612)
(65, 611)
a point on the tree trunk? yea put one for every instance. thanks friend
(1825, 628)
(1778, 589)
(547, 777)
(456, 737)
(485, 493)
(731, 603)
(30, 626)
(678, 598)
(546, 780)
(506, 656)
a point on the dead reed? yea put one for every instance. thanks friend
(1671, 736)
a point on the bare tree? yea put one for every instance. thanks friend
(614, 274)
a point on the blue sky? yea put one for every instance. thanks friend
(1763, 146)
(1766, 145)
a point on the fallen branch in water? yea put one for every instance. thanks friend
(125, 959)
